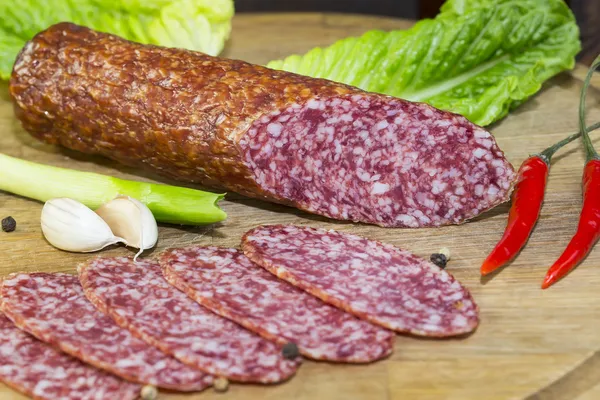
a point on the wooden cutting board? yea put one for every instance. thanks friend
(543, 344)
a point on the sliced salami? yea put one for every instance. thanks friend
(138, 298)
(375, 281)
(53, 308)
(39, 371)
(229, 284)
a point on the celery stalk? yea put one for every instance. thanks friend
(172, 204)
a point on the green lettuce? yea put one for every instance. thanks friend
(202, 25)
(478, 58)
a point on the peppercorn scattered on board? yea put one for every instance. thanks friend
(527, 340)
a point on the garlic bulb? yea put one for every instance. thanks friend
(70, 225)
(131, 220)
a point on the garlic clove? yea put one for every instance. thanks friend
(132, 221)
(69, 225)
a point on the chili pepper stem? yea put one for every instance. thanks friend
(587, 142)
(547, 153)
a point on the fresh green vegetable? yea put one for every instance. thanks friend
(177, 205)
(202, 25)
(478, 58)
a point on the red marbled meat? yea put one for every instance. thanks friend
(53, 308)
(229, 284)
(43, 373)
(138, 298)
(378, 159)
(375, 281)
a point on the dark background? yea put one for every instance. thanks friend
(586, 11)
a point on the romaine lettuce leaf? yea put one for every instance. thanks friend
(202, 25)
(478, 58)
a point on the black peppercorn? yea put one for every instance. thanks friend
(9, 224)
(439, 259)
(290, 351)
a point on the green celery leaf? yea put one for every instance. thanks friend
(201, 25)
(478, 58)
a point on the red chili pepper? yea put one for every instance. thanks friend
(588, 230)
(527, 199)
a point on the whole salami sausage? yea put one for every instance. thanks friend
(375, 281)
(229, 284)
(320, 146)
(53, 308)
(138, 298)
(43, 373)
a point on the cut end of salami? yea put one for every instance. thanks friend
(229, 284)
(374, 281)
(376, 159)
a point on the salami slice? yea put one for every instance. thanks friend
(39, 371)
(138, 298)
(378, 282)
(229, 284)
(53, 308)
(313, 144)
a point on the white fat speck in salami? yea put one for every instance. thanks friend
(53, 308)
(375, 281)
(378, 159)
(41, 372)
(228, 283)
(138, 298)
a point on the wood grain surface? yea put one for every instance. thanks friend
(531, 343)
